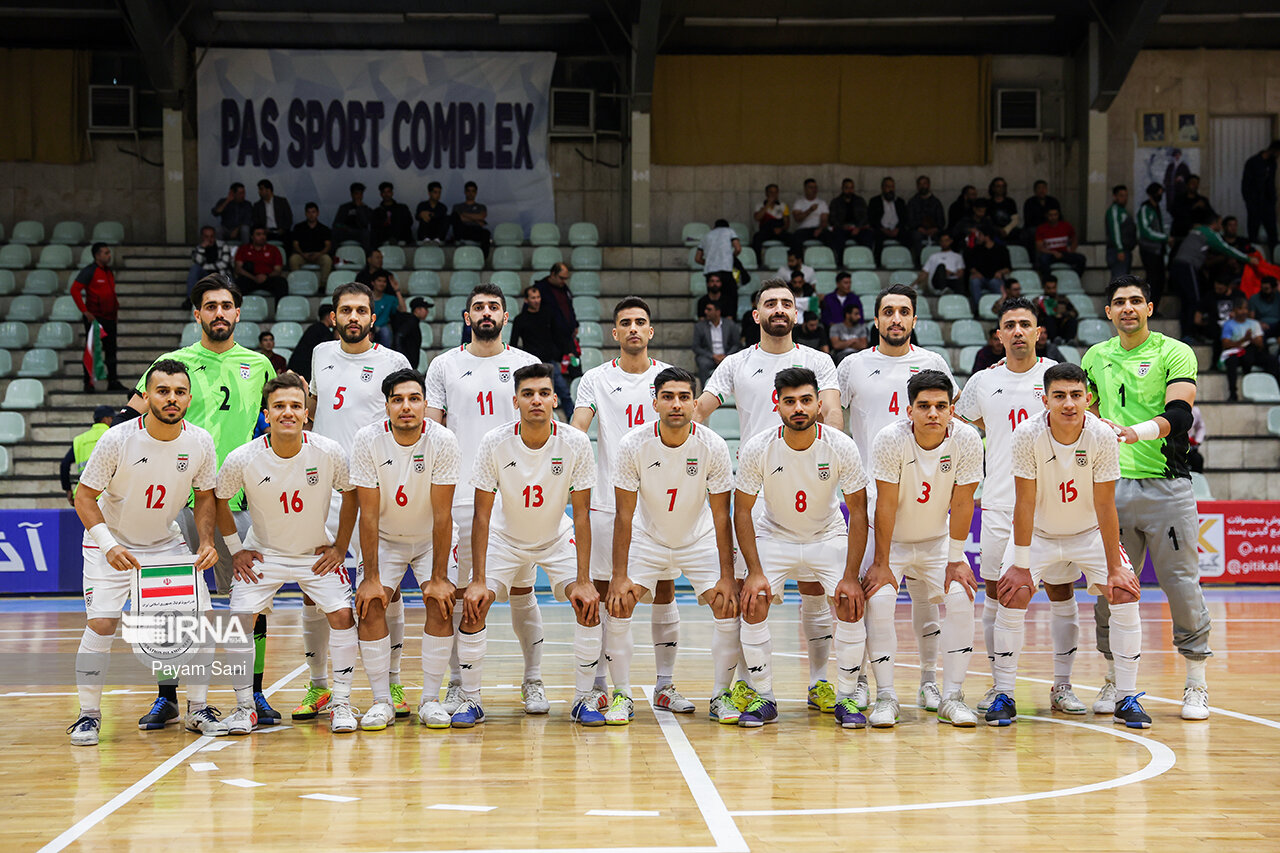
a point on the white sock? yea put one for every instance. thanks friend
(602, 669)
(1064, 625)
(882, 637)
(1010, 631)
(866, 660)
(989, 606)
(586, 654)
(315, 641)
(1126, 646)
(621, 647)
(1195, 672)
(851, 642)
(455, 668)
(471, 649)
(376, 655)
(1111, 670)
(725, 648)
(744, 671)
(240, 658)
(526, 621)
(91, 668)
(435, 660)
(757, 648)
(927, 622)
(957, 638)
(395, 633)
(344, 645)
(664, 627)
(815, 619)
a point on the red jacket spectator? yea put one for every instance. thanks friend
(259, 260)
(1056, 237)
(94, 291)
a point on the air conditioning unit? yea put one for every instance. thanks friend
(573, 111)
(111, 109)
(1018, 112)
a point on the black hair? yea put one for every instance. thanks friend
(771, 284)
(795, 377)
(531, 371)
(170, 366)
(1153, 188)
(631, 302)
(1049, 278)
(842, 275)
(237, 186)
(1119, 187)
(215, 281)
(1125, 281)
(386, 185)
(356, 187)
(404, 374)
(487, 288)
(674, 374)
(281, 382)
(897, 290)
(325, 309)
(1065, 372)
(96, 248)
(434, 185)
(1038, 183)
(310, 205)
(1015, 303)
(381, 273)
(928, 380)
(266, 333)
(721, 223)
(808, 181)
(264, 183)
(352, 287)
(470, 184)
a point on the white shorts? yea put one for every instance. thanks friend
(106, 590)
(330, 592)
(331, 530)
(821, 561)
(922, 561)
(512, 566)
(602, 544)
(997, 536)
(395, 558)
(648, 562)
(1063, 559)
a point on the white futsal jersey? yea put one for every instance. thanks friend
(1065, 474)
(621, 401)
(673, 482)
(873, 387)
(145, 482)
(802, 489)
(925, 477)
(1002, 399)
(404, 476)
(748, 374)
(475, 394)
(288, 499)
(533, 486)
(348, 388)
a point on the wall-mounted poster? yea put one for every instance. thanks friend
(1153, 127)
(1165, 165)
(1187, 130)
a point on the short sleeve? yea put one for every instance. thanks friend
(843, 382)
(853, 477)
(341, 468)
(626, 473)
(314, 389)
(968, 457)
(206, 473)
(231, 477)
(1180, 362)
(1023, 453)
(967, 406)
(719, 468)
(103, 462)
(437, 397)
(1086, 364)
(587, 391)
(1106, 468)
(886, 454)
(825, 370)
(751, 466)
(484, 473)
(446, 465)
(721, 381)
(362, 472)
(584, 464)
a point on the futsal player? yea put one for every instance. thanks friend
(619, 395)
(747, 376)
(287, 477)
(346, 396)
(226, 399)
(525, 473)
(926, 469)
(467, 391)
(1065, 468)
(799, 471)
(136, 480)
(873, 387)
(996, 400)
(672, 483)
(1145, 383)
(404, 470)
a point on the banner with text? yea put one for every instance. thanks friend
(314, 121)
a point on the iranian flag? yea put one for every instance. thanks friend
(166, 582)
(95, 365)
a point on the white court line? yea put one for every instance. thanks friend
(328, 798)
(243, 783)
(457, 807)
(620, 813)
(103, 811)
(202, 766)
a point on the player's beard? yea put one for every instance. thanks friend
(345, 334)
(220, 334)
(483, 334)
(778, 326)
(896, 338)
(165, 417)
(810, 421)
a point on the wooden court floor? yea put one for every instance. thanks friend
(664, 783)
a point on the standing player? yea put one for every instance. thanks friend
(801, 469)
(679, 477)
(467, 390)
(404, 470)
(925, 467)
(346, 396)
(873, 387)
(620, 394)
(748, 376)
(143, 469)
(287, 477)
(1145, 384)
(996, 400)
(226, 399)
(525, 473)
(1065, 465)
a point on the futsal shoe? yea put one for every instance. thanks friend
(1062, 699)
(397, 700)
(1003, 711)
(204, 721)
(1106, 701)
(84, 731)
(341, 718)
(241, 721)
(1195, 703)
(584, 712)
(862, 695)
(534, 695)
(453, 697)
(433, 715)
(378, 717)
(885, 713)
(985, 702)
(743, 695)
(723, 710)
(822, 697)
(621, 710)
(315, 701)
(468, 715)
(267, 716)
(163, 712)
(668, 698)
(760, 712)
(954, 711)
(848, 715)
(929, 697)
(1130, 713)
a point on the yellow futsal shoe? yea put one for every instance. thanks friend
(397, 701)
(316, 700)
(742, 695)
(822, 697)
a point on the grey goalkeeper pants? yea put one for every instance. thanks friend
(222, 568)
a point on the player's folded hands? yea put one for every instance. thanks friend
(724, 595)
(1120, 579)
(877, 576)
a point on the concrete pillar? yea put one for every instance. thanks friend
(175, 199)
(639, 187)
(1097, 193)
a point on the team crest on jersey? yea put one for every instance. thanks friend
(182, 461)
(1039, 390)
(944, 464)
(419, 463)
(313, 476)
(824, 471)
(1082, 459)
(691, 467)
(88, 597)
(245, 370)
(504, 374)
(914, 370)
(366, 374)
(557, 465)
(1144, 368)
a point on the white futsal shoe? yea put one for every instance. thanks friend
(453, 697)
(342, 719)
(862, 694)
(985, 702)
(1061, 698)
(433, 715)
(1106, 701)
(378, 717)
(1195, 703)
(885, 714)
(929, 697)
(954, 711)
(534, 695)
(84, 731)
(241, 721)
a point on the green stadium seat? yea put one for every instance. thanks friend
(27, 309)
(303, 283)
(424, 283)
(591, 357)
(986, 305)
(428, 258)
(747, 257)
(424, 361)
(590, 335)
(14, 335)
(544, 257)
(1068, 281)
(968, 333)
(392, 257)
(507, 258)
(742, 231)
(965, 358)
(775, 257)
(692, 233)
(824, 280)
(462, 281)
(6, 465)
(28, 233)
(1070, 353)
(1019, 259)
(190, 334)
(39, 363)
(509, 282)
(865, 282)
(585, 283)
(353, 255)
(451, 337)
(923, 309)
(586, 258)
(108, 232)
(583, 234)
(8, 284)
(1200, 487)
(468, 258)
(857, 258)
(1273, 420)
(337, 278)
(820, 258)
(1095, 332)
(573, 387)
(586, 308)
(256, 310)
(13, 427)
(725, 423)
(454, 307)
(544, 234)
(24, 394)
(428, 335)
(15, 256)
(1085, 306)
(896, 258)
(86, 257)
(905, 277)
(68, 233)
(55, 335)
(293, 309)
(929, 335)
(54, 257)
(6, 362)
(41, 282)
(247, 333)
(287, 333)
(697, 284)
(508, 234)
(928, 252)
(693, 259)
(1259, 388)
(1030, 281)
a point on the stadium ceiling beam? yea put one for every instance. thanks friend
(160, 45)
(644, 53)
(1126, 26)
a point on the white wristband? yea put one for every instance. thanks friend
(1022, 556)
(1147, 430)
(955, 552)
(102, 536)
(233, 543)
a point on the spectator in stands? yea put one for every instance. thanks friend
(1122, 233)
(794, 264)
(1153, 240)
(1035, 211)
(1258, 187)
(1011, 290)
(210, 255)
(353, 218)
(804, 293)
(967, 232)
(771, 218)
(272, 212)
(925, 219)
(1213, 312)
(431, 219)
(406, 329)
(837, 302)
(1196, 436)
(537, 331)
(390, 221)
(1056, 243)
(718, 293)
(1243, 348)
(81, 449)
(1184, 275)
(1228, 268)
(317, 333)
(848, 219)
(714, 337)
(1189, 209)
(1265, 305)
(717, 250)
(94, 291)
(750, 328)
(267, 346)
(888, 215)
(944, 270)
(989, 354)
(372, 265)
(235, 214)
(259, 266)
(1176, 175)
(813, 220)
(558, 299)
(988, 263)
(962, 207)
(310, 242)
(1057, 316)
(850, 335)
(470, 219)
(1003, 210)
(387, 301)
(811, 333)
